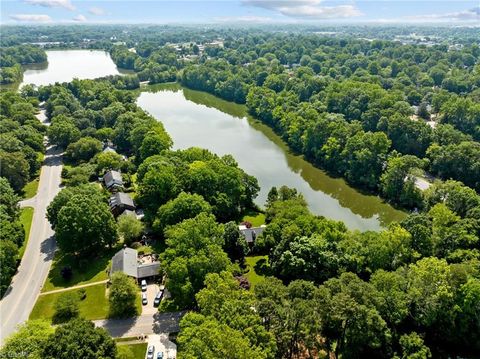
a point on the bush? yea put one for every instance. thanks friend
(67, 273)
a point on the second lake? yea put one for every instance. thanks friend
(194, 118)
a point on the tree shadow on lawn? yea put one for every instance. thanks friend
(263, 268)
(83, 270)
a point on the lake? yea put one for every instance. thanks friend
(65, 65)
(194, 118)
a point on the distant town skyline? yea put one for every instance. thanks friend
(239, 11)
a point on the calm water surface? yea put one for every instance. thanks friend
(196, 118)
(65, 65)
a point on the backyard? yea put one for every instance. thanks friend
(256, 269)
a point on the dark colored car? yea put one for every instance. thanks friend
(158, 298)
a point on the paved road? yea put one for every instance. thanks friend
(18, 301)
(144, 324)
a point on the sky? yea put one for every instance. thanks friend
(240, 11)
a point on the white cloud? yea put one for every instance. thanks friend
(97, 11)
(305, 9)
(247, 18)
(31, 18)
(66, 4)
(79, 18)
(467, 15)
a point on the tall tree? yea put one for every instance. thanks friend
(79, 338)
(85, 226)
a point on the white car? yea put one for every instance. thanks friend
(143, 283)
(144, 299)
(150, 352)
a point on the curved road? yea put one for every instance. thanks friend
(18, 301)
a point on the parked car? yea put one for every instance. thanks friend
(144, 299)
(160, 355)
(158, 298)
(144, 285)
(150, 351)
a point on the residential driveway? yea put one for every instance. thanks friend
(162, 344)
(152, 290)
(157, 323)
(18, 301)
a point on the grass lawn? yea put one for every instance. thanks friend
(26, 216)
(138, 350)
(95, 270)
(255, 218)
(126, 339)
(257, 269)
(30, 189)
(94, 306)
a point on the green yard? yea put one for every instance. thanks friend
(26, 216)
(255, 218)
(30, 189)
(257, 269)
(94, 306)
(138, 350)
(93, 271)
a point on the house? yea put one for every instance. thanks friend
(113, 180)
(127, 261)
(109, 149)
(121, 202)
(251, 233)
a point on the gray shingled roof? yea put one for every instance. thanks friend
(113, 178)
(148, 270)
(122, 199)
(125, 260)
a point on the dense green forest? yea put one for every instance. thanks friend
(411, 289)
(379, 113)
(21, 151)
(11, 59)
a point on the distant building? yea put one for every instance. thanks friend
(251, 233)
(109, 149)
(127, 261)
(422, 183)
(113, 180)
(121, 202)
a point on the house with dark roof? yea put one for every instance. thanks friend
(127, 261)
(121, 202)
(251, 233)
(113, 180)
